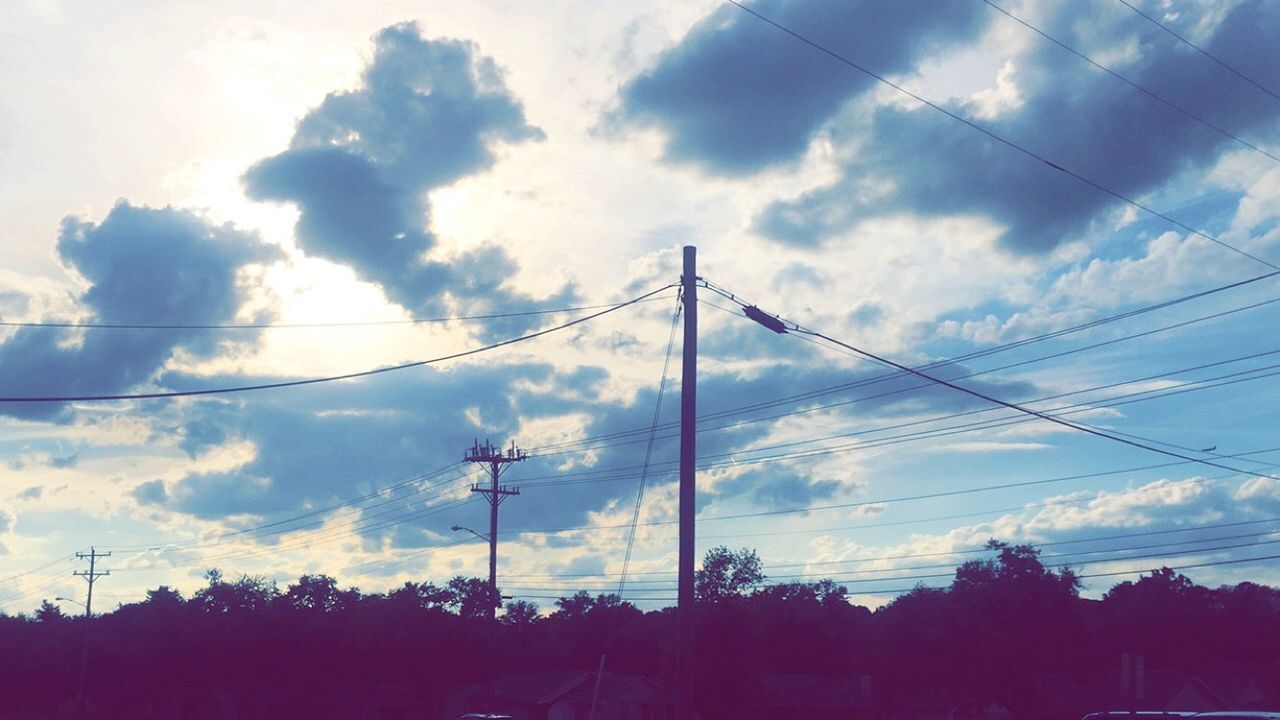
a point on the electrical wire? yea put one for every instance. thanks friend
(795, 328)
(962, 551)
(1202, 51)
(1005, 141)
(278, 326)
(648, 452)
(882, 501)
(332, 378)
(1158, 98)
(736, 458)
(1086, 576)
(554, 449)
(352, 502)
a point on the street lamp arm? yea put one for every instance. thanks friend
(456, 528)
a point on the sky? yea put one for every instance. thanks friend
(1066, 206)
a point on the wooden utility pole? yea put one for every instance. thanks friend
(495, 494)
(688, 487)
(90, 575)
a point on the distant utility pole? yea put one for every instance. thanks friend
(495, 494)
(90, 575)
(688, 487)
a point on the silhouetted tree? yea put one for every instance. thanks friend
(316, 651)
(48, 613)
(1014, 616)
(244, 595)
(425, 596)
(165, 596)
(520, 613)
(1140, 615)
(727, 573)
(319, 593)
(472, 598)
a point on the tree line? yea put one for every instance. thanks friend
(315, 649)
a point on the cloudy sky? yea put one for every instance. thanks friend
(1069, 206)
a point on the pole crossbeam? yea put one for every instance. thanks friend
(91, 575)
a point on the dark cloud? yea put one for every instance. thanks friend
(428, 113)
(791, 491)
(736, 95)
(315, 446)
(143, 266)
(150, 493)
(320, 445)
(1080, 118)
(35, 492)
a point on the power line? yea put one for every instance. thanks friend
(1002, 140)
(1021, 408)
(885, 501)
(554, 449)
(1127, 81)
(364, 524)
(32, 571)
(208, 542)
(1074, 408)
(795, 328)
(736, 458)
(880, 571)
(898, 591)
(333, 378)
(964, 551)
(648, 451)
(1200, 50)
(327, 536)
(278, 326)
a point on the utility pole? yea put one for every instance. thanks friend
(91, 575)
(495, 494)
(688, 487)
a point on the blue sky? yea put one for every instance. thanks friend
(334, 173)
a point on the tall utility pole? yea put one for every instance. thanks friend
(90, 575)
(688, 487)
(495, 494)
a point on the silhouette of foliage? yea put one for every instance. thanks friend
(520, 613)
(247, 594)
(317, 650)
(727, 573)
(472, 598)
(48, 613)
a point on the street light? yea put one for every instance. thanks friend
(456, 528)
(77, 602)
